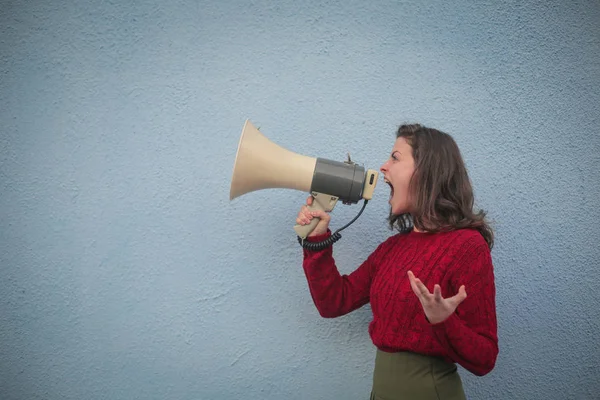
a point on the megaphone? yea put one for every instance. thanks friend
(261, 164)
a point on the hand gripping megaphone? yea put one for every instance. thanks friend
(262, 164)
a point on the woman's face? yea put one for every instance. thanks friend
(397, 172)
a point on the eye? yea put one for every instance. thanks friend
(394, 157)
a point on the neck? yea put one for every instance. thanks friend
(415, 229)
(418, 230)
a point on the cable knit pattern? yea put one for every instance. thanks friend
(451, 259)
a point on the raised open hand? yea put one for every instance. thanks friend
(437, 309)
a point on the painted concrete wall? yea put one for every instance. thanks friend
(126, 272)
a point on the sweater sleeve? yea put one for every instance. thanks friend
(333, 294)
(470, 334)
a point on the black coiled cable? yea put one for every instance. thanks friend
(323, 244)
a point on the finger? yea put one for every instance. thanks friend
(324, 216)
(309, 200)
(301, 218)
(304, 216)
(306, 213)
(418, 287)
(422, 288)
(302, 221)
(318, 214)
(413, 284)
(437, 293)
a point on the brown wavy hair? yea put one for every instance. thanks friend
(441, 191)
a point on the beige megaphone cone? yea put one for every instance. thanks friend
(261, 164)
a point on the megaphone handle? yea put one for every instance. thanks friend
(321, 202)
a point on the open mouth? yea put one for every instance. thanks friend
(391, 187)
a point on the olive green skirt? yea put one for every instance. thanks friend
(411, 376)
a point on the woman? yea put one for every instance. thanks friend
(424, 322)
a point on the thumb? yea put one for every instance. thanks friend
(324, 216)
(460, 296)
(323, 224)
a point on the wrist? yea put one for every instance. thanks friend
(319, 232)
(436, 321)
(317, 236)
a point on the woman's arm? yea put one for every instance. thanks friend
(333, 294)
(470, 333)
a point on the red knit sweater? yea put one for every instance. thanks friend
(451, 259)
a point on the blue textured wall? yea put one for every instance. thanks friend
(126, 273)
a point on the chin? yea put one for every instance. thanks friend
(400, 207)
(399, 210)
(396, 211)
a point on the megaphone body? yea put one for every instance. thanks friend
(262, 164)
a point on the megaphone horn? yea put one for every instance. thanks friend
(262, 164)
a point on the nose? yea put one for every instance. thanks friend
(384, 167)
